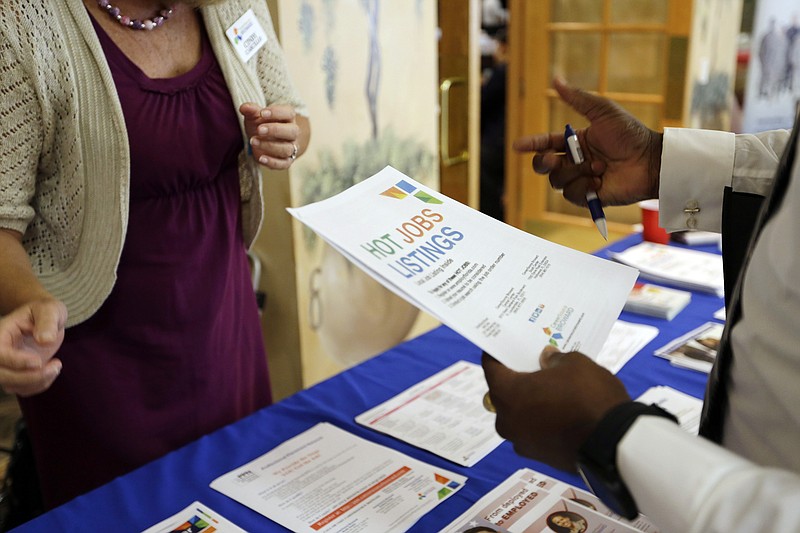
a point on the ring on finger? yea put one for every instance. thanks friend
(294, 152)
(487, 403)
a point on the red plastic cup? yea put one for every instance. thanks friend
(651, 231)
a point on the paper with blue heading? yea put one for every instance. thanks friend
(509, 292)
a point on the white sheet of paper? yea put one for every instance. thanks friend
(527, 502)
(199, 517)
(681, 267)
(507, 291)
(687, 409)
(443, 414)
(327, 480)
(624, 341)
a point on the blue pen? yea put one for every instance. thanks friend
(595, 207)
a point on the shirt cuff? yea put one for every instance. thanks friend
(669, 471)
(696, 166)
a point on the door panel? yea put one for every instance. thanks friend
(623, 49)
(459, 97)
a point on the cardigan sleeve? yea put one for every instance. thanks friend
(20, 139)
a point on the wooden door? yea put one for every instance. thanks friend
(633, 51)
(459, 99)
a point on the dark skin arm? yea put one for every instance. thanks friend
(548, 414)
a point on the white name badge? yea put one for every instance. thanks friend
(246, 35)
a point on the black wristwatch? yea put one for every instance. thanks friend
(597, 457)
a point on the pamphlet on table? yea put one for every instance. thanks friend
(327, 480)
(530, 502)
(687, 409)
(509, 292)
(654, 300)
(681, 267)
(196, 518)
(696, 349)
(443, 414)
(697, 238)
(625, 341)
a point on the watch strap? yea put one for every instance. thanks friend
(599, 453)
(602, 443)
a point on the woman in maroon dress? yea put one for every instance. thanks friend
(171, 349)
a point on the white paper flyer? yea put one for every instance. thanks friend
(624, 342)
(327, 480)
(689, 269)
(195, 518)
(507, 291)
(687, 409)
(443, 414)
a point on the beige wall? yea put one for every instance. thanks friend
(319, 305)
(275, 249)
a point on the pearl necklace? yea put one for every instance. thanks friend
(135, 24)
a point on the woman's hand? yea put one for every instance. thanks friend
(277, 134)
(29, 338)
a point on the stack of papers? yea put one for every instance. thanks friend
(686, 269)
(654, 300)
(687, 409)
(695, 350)
(529, 501)
(697, 238)
(507, 291)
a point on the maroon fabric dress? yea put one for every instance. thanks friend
(176, 351)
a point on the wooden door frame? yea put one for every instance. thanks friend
(465, 41)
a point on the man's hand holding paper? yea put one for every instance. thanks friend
(548, 414)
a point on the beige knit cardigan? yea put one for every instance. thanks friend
(64, 156)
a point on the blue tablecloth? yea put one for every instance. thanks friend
(148, 495)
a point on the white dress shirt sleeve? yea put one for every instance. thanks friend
(696, 166)
(686, 484)
(682, 482)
